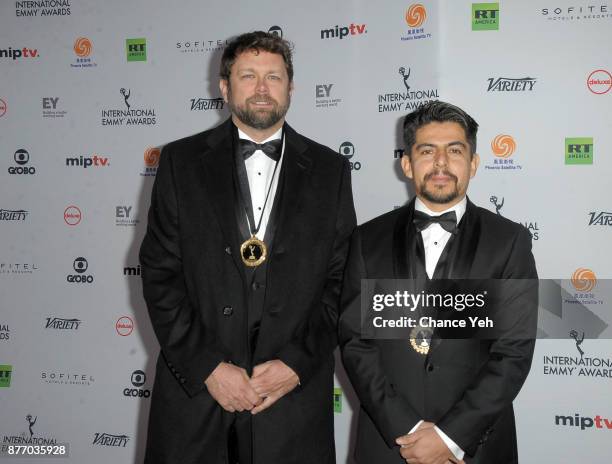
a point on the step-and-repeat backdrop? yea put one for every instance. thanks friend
(90, 91)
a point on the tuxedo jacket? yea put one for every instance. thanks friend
(465, 386)
(195, 287)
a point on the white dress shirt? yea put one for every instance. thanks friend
(435, 239)
(259, 168)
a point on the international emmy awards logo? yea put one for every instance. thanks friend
(126, 94)
(574, 335)
(498, 206)
(405, 76)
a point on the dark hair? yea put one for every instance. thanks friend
(438, 111)
(260, 41)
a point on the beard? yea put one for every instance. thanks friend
(437, 195)
(260, 119)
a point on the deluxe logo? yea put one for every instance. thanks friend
(347, 149)
(485, 16)
(507, 84)
(577, 13)
(276, 30)
(29, 8)
(129, 116)
(18, 53)
(13, 215)
(579, 150)
(124, 326)
(80, 266)
(206, 104)
(132, 271)
(138, 379)
(106, 439)
(151, 161)
(201, 46)
(340, 32)
(21, 157)
(599, 81)
(59, 323)
(84, 162)
(2, 107)
(323, 96)
(405, 101)
(17, 268)
(5, 332)
(136, 49)
(82, 49)
(72, 215)
(584, 422)
(337, 400)
(66, 378)
(49, 106)
(123, 216)
(600, 219)
(415, 16)
(583, 279)
(6, 371)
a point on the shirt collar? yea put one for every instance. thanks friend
(275, 136)
(459, 208)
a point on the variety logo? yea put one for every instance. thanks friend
(151, 161)
(49, 107)
(59, 323)
(66, 378)
(72, 215)
(579, 150)
(13, 215)
(337, 400)
(323, 96)
(503, 147)
(124, 326)
(2, 107)
(485, 16)
(21, 157)
(583, 422)
(340, 32)
(577, 13)
(128, 116)
(28, 8)
(96, 161)
(106, 439)
(599, 82)
(26, 437)
(17, 268)
(206, 104)
(276, 30)
(415, 16)
(136, 49)
(347, 149)
(138, 379)
(123, 216)
(507, 84)
(80, 266)
(600, 219)
(405, 101)
(132, 270)
(5, 374)
(201, 46)
(82, 49)
(18, 53)
(5, 332)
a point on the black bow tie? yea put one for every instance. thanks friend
(448, 221)
(271, 148)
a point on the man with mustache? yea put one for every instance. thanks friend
(242, 264)
(426, 399)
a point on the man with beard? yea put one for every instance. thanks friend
(242, 264)
(428, 399)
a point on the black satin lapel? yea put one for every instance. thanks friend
(404, 237)
(464, 253)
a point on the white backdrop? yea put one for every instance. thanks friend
(537, 81)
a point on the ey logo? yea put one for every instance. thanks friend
(579, 150)
(503, 146)
(136, 49)
(485, 16)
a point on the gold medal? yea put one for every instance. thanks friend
(253, 252)
(420, 339)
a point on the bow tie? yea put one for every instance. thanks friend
(448, 221)
(271, 148)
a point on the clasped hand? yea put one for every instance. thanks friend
(424, 446)
(232, 388)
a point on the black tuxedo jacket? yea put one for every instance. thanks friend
(464, 386)
(196, 292)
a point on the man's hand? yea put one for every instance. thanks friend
(229, 386)
(424, 446)
(272, 380)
